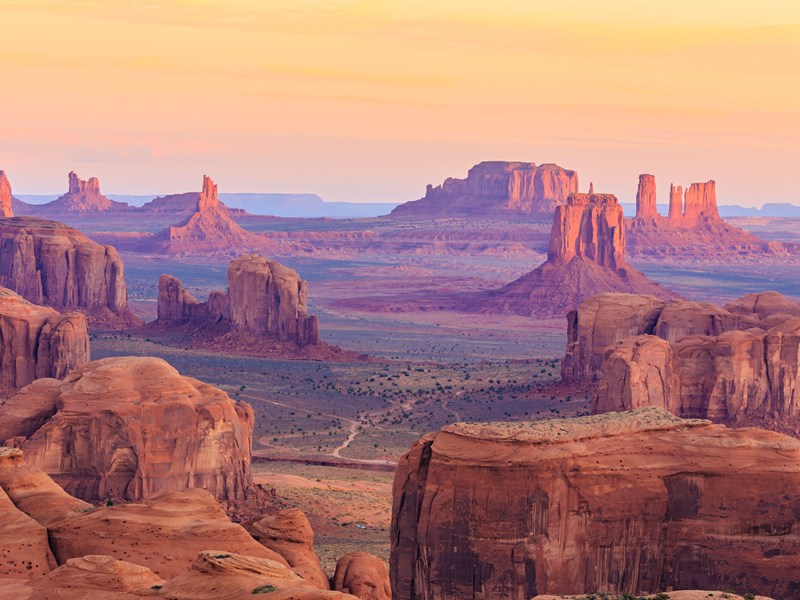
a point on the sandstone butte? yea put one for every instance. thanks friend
(693, 227)
(82, 197)
(496, 189)
(49, 263)
(635, 503)
(264, 299)
(732, 364)
(37, 341)
(175, 545)
(209, 229)
(586, 256)
(126, 428)
(5, 196)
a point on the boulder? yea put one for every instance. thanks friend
(363, 575)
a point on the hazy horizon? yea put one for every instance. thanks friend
(370, 101)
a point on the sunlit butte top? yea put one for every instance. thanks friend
(371, 100)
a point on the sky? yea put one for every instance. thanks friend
(370, 100)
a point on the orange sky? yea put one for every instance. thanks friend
(371, 100)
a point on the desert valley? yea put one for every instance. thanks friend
(280, 318)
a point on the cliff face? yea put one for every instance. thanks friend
(36, 341)
(496, 188)
(628, 503)
(52, 264)
(606, 319)
(6, 209)
(586, 256)
(107, 431)
(264, 298)
(646, 198)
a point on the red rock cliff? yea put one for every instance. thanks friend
(624, 502)
(646, 198)
(5, 196)
(495, 188)
(126, 428)
(36, 341)
(264, 298)
(52, 264)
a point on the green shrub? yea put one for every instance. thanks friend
(265, 589)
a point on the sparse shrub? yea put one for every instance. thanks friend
(265, 589)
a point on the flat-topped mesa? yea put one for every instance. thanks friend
(37, 341)
(208, 197)
(5, 196)
(496, 188)
(700, 204)
(264, 298)
(629, 503)
(590, 226)
(646, 198)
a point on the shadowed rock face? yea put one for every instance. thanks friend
(586, 257)
(126, 428)
(633, 502)
(496, 188)
(48, 263)
(37, 341)
(263, 298)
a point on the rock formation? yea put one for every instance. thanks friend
(606, 319)
(37, 341)
(208, 229)
(108, 432)
(693, 228)
(672, 595)
(646, 198)
(49, 263)
(496, 189)
(81, 197)
(289, 533)
(586, 256)
(630, 503)
(264, 299)
(6, 209)
(363, 575)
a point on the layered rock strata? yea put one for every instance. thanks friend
(37, 341)
(630, 503)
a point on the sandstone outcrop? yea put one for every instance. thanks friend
(363, 575)
(586, 256)
(6, 209)
(264, 299)
(606, 319)
(631, 503)
(216, 575)
(496, 189)
(676, 595)
(49, 263)
(289, 533)
(125, 428)
(209, 229)
(37, 341)
(693, 227)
